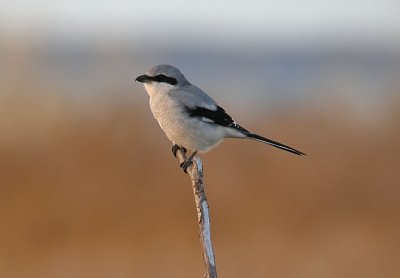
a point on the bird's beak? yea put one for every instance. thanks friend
(144, 78)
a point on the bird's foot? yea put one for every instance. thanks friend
(184, 165)
(176, 147)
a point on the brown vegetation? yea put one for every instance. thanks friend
(79, 196)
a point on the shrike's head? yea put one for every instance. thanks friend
(162, 78)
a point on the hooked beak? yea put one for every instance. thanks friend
(144, 78)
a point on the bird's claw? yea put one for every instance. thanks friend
(176, 147)
(184, 165)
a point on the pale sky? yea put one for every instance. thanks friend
(249, 18)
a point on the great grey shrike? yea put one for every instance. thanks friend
(190, 118)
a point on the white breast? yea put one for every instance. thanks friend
(191, 133)
(168, 114)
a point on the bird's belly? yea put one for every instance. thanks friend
(185, 131)
(195, 135)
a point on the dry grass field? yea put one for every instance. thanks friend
(95, 192)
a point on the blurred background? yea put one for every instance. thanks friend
(89, 187)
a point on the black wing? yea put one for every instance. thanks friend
(219, 117)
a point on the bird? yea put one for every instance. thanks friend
(189, 117)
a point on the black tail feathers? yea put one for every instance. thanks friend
(274, 143)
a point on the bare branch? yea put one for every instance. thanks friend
(195, 171)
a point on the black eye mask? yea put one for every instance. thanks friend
(165, 79)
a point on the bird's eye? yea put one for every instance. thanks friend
(165, 79)
(161, 77)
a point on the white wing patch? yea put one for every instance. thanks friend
(207, 120)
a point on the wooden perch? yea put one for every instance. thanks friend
(195, 171)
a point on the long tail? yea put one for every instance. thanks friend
(274, 143)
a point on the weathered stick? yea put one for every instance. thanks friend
(195, 171)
